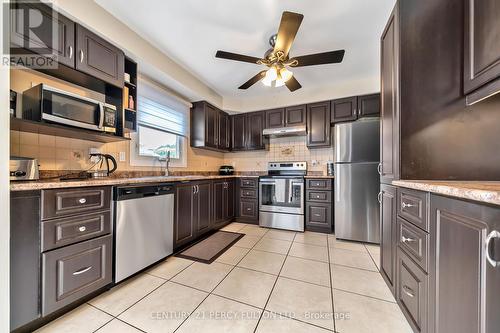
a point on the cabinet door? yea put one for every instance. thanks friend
(239, 131)
(224, 142)
(204, 202)
(388, 234)
(255, 125)
(389, 124)
(319, 217)
(344, 109)
(230, 193)
(482, 48)
(43, 40)
(99, 58)
(275, 118)
(211, 126)
(318, 125)
(295, 115)
(219, 201)
(369, 105)
(464, 286)
(184, 213)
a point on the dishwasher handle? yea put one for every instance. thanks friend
(137, 192)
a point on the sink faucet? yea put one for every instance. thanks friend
(167, 162)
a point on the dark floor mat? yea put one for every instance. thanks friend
(209, 249)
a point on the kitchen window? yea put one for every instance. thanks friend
(162, 127)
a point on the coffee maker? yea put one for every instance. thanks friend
(101, 172)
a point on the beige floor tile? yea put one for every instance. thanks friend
(116, 326)
(273, 245)
(253, 230)
(308, 251)
(307, 271)
(360, 281)
(280, 234)
(247, 286)
(266, 262)
(366, 314)
(313, 238)
(373, 248)
(119, 298)
(247, 241)
(202, 276)
(331, 238)
(304, 301)
(83, 319)
(170, 267)
(165, 309)
(217, 314)
(347, 245)
(233, 227)
(352, 259)
(233, 255)
(274, 323)
(375, 257)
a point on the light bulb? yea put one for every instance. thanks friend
(266, 81)
(279, 82)
(271, 74)
(285, 74)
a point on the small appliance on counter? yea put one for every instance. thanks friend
(23, 168)
(103, 160)
(330, 170)
(13, 103)
(226, 170)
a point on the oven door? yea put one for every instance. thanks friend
(66, 108)
(281, 195)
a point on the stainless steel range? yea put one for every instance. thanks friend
(281, 196)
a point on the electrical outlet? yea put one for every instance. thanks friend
(123, 157)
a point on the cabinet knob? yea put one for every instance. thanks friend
(82, 228)
(407, 205)
(82, 200)
(407, 239)
(408, 291)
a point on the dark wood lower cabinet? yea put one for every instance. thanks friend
(204, 207)
(319, 205)
(247, 200)
(184, 229)
(223, 204)
(388, 234)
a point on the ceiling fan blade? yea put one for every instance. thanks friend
(331, 57)
(290, 23)
(253, 80)
(237, 57)
(292, 84)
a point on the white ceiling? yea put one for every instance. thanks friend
(191, 31)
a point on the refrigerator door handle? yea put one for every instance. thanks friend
(336, 180)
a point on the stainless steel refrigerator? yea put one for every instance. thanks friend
(357, 181)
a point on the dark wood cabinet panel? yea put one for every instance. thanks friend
(239, 130)
(295, 115)
(184, 229)
(255, 126)
(389, 102)
(98, 57)
(204, 202)
(344, 109)
(414, 242)
(275, 118)
(224, 141)
(64, 201)
(223, 201)
(413, 205)
(388, 234)
(464, 286)
(318, 125)
(482, 49)
(230, 192)
(369, 105)
(218, 189)
(210, 127)
(249, 209)
(62, 47)
(319, 217)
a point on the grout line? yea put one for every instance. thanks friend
(363, 295)
(362, 269)
(331, 285)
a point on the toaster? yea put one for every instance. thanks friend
(23, 168)
(226, 170)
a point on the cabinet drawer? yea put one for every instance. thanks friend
(62, 202)
(413, 206)
(319, 196)
(414, 242)
(248, 193)
(74, 271)
(70, 230)
(412, 292)
(248, 209)
(319, 216)
(319, 184)
(249, 182)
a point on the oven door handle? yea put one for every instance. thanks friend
(101, 115)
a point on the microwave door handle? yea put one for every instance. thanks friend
(101, 115)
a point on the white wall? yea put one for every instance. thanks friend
(4, 188)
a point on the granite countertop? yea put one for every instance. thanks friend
(482, 191)
(319, 176)
(56, 183)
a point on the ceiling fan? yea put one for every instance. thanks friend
(277, 58)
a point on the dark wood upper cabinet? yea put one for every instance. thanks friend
(482, 49)
(239, 130)
(210, 127)
(318, 125)
(344, 109)
(62, 47)
(390, 105)
(99, 58)
(255, 126)
(275, 118)
(295, 115)
(464, 286)
(224, 141)
(388, 234)
(369, 105)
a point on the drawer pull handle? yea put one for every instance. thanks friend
(491, 235)
(317, 215)
(249, 209)
(82, 200)
(82, 228)
(407, 205)
(408, 291)
(83, 270)
(407, 239)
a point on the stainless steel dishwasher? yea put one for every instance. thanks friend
(144, 227)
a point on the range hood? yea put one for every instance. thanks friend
(285, 131)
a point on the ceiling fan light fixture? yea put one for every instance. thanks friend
(285, 74)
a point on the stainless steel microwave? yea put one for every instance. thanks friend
(45, 103)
